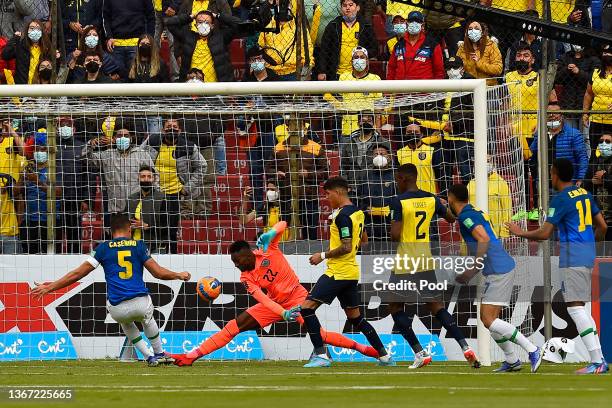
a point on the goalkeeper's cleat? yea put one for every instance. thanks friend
(520, 215)
(182, 360)
(471, 357)
(164, 358)
(506, 367)
(386, 361)
(421, 359)
(534, 215)
(594, 368)
(317, 361)
(535, 358)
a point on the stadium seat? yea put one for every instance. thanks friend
(229, 187)
(214, 230)
(236, 162)
(378, 23)
(238, 57)
(225, 208)
(333, 158)
(379, 68)
(92, 233)
(212, 248)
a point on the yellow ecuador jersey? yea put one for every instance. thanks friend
(602, 88)
(500, 203)
(510, 5)
(422, 158)
(34, 60)
(559, 9)
(347, 222)
(523, 91)
(350, 39)
(165, 164)
(203, 60)
(415, 210)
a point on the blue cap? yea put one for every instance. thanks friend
(416, 16)
(40, 138)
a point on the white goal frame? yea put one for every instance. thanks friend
(477, 86)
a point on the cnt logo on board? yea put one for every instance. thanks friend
(396, 346)
(36, 346)
(245, 346)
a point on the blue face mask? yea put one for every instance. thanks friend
(605, 149)
(474, 34)
(350, 19)
(258, 66)
(122, 143)
(40, 157)
(359, 64)
(35, 35)
(91, 41)
(399, 28)
(414, 27)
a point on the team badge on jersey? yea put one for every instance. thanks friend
(344, 232)
(422, 156)
(530, 82)
(468, 223)
(265, 262)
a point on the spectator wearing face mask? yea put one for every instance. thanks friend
(124, 21)
(375, 190)
(573, 72)
(117, 159)
(416, 55)
(399, 26)
(27, 48)
(207, 47)
(269, 214)
(164, 9)
(354, 101)
(17, 13)
(480, 55)
(598, 97)
(418, 153)
(43, 73)
(93, 73)
(36, 179)
(598, 179)
(341, 36)
(356, 154)
(147, 66)
(500, 199)
(90, 42)
(534, 42)
(565, 142)
(147, 211)
(256, 70)
(76, 15)
(72, 169)
(181, 170)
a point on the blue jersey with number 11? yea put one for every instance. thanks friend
(123, 261)
(572, 211)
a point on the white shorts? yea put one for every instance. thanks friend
(576, 284)
(138, 309)
(498, 289)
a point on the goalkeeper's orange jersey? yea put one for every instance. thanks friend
(272, 274)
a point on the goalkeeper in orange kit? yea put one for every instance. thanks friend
(266, 268)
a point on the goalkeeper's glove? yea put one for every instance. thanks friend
(263, 242)
(292, 314)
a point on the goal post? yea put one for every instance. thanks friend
(179, 99)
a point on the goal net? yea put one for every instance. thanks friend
(196, 173)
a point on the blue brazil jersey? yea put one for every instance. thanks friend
(572, 211)
(123, 261)
(497, 260)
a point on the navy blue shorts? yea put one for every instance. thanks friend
(328, 288)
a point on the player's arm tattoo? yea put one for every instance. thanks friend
(345, 248)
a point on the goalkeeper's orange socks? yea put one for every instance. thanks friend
(338, 340)
(216, 341)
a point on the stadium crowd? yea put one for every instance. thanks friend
(167, 172)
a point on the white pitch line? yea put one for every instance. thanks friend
(282, 388)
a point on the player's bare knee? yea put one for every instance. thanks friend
(309, 304)
(352, 313)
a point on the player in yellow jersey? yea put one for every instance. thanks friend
(341, 279)
(412, 212)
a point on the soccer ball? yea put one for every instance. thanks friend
(208, 288)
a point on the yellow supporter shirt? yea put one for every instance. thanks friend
(8, 216)
(500, 203)
(166, 166)
(559, 9)
(157, 5)
(510, 5)
(602, 88)
(10, 162)
(137, 234)
(203, 60)
(126, 42)
(347, 222)
(422, 158)
(285, 43)
(400, 9)
(197, 6)
(523, 91)
(34, 60)
(349, 40)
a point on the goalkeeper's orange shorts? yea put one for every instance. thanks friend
(266, 317)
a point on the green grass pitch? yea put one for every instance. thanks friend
(266, 384)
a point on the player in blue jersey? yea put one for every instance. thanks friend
(497, 266)
(128, 299)
(575, 214)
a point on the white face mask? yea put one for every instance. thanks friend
(272, 195)
(414, 27)
(360, 64)
(204, 29)
(454, 73)
(490, 168)
(380, 161)
(65, 132)
(553, 124)
(474, 34)
(194, 81)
